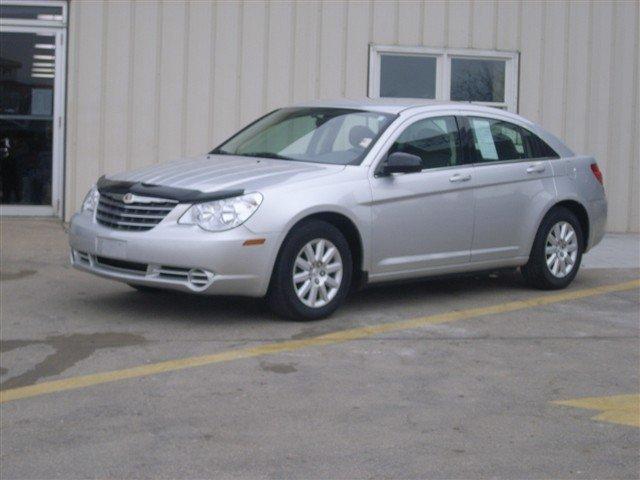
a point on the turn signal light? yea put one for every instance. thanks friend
(254, 241)
(597, 173)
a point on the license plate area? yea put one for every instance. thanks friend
(108, 247)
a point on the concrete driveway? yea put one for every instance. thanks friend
(478, 377)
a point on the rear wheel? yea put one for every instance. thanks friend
(556, 253)
(313, 272)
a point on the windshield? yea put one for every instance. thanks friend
(323, 135)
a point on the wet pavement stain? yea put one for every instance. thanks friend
(8, 345)
(8, 276)
(69, 350)
(278, 367)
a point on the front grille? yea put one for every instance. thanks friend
(139, 215)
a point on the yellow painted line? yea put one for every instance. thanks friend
(620, 409)
(288, 346)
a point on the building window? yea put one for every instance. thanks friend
(408, 76)
(480, 76)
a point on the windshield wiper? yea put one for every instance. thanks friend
(275, 156)
(265, 155)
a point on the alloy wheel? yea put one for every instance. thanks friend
(561, 249)
(317, 273)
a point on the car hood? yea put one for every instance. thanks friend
(225, 172)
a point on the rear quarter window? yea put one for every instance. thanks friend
(540, 148)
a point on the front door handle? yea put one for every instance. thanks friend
(535, 168)
(460, 177)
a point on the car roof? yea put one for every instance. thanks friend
(395, 105)
(387, 105)
(413, 106)
(408, 105)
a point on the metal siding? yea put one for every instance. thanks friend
(460, 24)
(597, 143)
(483, 27)
(226, 55)
(172, 79)
(553, 71)
(198, 86)
(88, 85)
(278, 86)
(72, 184)
(621, 116)
(385, 22)
(332, 50)
(114, 127)
(148, 81)
(435, 23)
(306, 45)
(577, 78)
(410, 17)
(252, 65)
(634, 177)
(357, 53)
(531, 59)
(142, 142)
(508, 25)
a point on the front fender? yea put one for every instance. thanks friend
(283, 208)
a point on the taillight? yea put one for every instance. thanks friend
(597, 173)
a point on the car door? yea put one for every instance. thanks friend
(512, 186)
(423, 221)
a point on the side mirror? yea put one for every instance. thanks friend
(400, 162)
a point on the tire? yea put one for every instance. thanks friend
(144, 288)
(289, 299)
(539, 270)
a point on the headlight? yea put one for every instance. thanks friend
(91, 200)
(224, 214)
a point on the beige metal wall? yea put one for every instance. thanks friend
(152, 80)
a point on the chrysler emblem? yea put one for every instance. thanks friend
(128, 198)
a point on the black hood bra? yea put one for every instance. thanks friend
(182, 195)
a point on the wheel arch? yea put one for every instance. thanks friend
(351, 233)
(579, 211)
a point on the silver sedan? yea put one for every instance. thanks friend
(311, 201)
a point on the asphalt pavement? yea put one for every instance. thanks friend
(474, 377)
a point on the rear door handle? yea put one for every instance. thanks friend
(460, 177)
(535, 168)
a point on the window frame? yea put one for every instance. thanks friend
(32, 22)
(464, 125)
(443, 70)
(381, 156)
(392, 117)
(460, 153)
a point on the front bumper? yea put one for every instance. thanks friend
(173, 256)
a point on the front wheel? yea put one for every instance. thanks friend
(313, 272)
(556, 253)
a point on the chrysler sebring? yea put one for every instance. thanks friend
(312, 201)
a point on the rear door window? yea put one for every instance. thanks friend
(496, 140)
